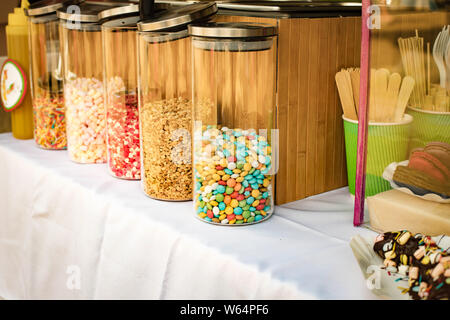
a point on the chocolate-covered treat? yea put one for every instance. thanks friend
(419, 183)
(421, 259)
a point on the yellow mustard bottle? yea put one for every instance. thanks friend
(17, 44)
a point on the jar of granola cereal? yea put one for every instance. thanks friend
(165, 109)
(234, 114)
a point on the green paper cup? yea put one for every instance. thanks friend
(387, 143)
(428, 126)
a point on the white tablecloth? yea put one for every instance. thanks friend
(71, 231)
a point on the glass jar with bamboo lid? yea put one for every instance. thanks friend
(234, 113)
(46, 75)
(81, 47)
(165, 108)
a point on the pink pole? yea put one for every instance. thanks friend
(360, 182)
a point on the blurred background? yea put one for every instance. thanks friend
(6, 6)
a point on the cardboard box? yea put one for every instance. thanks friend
(396, 210)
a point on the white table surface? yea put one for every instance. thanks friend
(71, 231)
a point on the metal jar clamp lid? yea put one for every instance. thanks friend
(47, 6)
(123, 12)
(179, 17)
(232, 30)
(88, 11)
(129, 22)
(132, 9)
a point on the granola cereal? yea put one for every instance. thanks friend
(166, 149)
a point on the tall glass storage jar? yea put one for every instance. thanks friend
(83, 80)
(46, 75)
(121, 100)
(234, 113)
(165, 95)
(119, 34)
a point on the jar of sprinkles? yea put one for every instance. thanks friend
(46, 75)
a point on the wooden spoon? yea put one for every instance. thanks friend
(403, 97)
(344, 86)
(391, 96)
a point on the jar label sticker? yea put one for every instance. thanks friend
(13, 83)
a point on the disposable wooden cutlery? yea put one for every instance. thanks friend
(388, 96)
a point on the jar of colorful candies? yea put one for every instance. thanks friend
(46, 75)
(81, 46)
(235, 135)
(165, 108)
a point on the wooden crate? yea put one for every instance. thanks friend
(310, 52)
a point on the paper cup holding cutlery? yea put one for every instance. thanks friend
(428, 126)
(387, 143)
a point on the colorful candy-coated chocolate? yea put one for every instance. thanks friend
(229, 177)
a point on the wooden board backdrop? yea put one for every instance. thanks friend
(311, 51)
